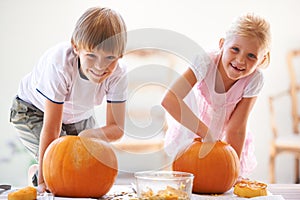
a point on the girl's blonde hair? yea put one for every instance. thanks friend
(100, 28)
(251, 25)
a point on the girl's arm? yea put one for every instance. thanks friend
(236, 128)
(178, 109)
(50, 131)
(114, 128)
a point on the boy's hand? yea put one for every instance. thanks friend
(41, 188)
(91, 133)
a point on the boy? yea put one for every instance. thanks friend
(57, 98)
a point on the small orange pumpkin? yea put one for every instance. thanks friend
(75, 166)
(215, 166)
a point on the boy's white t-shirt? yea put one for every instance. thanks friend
(57, 78)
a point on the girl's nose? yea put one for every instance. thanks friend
(240, 59)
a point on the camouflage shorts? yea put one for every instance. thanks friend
(28, 120)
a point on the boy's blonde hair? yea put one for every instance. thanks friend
(100, 28)
(251, 25)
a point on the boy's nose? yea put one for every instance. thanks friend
(98, 63)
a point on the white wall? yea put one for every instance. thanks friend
(29, 27)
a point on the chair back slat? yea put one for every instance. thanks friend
(294, 88)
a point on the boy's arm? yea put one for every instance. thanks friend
(115, 120)
(236, 128)
(50, 131)
(114, 128)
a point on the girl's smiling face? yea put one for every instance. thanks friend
(241, 56)
(97, 65)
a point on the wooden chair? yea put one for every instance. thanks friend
(286, 142)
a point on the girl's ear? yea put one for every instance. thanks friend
(265, 61)
(221, 43)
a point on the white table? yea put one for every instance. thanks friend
(125, 192)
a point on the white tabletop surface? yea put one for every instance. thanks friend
(125, 192)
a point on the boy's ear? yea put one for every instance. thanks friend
(221, 43)
(75, 48)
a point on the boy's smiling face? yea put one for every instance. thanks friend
(97, 65)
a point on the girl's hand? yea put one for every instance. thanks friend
(209, 137)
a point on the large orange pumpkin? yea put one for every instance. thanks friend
(74, 166)
(215, 166)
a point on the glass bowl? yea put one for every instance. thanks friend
(163, 185)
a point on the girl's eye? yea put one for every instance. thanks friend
(252, 56)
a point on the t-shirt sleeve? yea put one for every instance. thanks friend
(117, 85)
(200, 65)
(255, 85)
(52, 83)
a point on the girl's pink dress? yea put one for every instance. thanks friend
(214, 109)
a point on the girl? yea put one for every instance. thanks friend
(57, 98)
(228, 82)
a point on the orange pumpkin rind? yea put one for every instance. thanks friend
(220, 158)
(26, 193)
(248, 189)
(79, 167)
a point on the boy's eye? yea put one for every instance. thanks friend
(235, 49)
(91, 55)
(111, 57)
